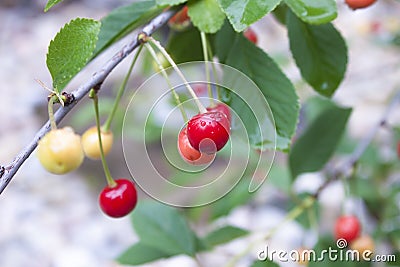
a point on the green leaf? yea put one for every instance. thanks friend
(317, 144)
(265, 263)
(320, 53)
(206, 15)
(50, 4)
(71, 49)
(224, 235)
(314, 12)
(140, 253)
(280, 13)
(242, 13)
(185, 46)
(163, 228)
(123, 20)
(170, 2)
(235, 50)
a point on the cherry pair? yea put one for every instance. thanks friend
(205, 134)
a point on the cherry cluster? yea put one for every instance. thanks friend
(61, 150)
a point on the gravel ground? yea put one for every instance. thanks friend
(46, 221)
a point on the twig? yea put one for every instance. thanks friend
(7, 172)
(348, 165)
(334, 175)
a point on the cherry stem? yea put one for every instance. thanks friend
(110, 181)
(53, 98)
(164, 73)
(107, 124)
(200, 106)
(206, 59)
(210, 55)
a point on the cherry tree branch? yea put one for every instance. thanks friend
(347, 166)
(7, 172)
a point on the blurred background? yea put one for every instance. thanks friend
(49, 220)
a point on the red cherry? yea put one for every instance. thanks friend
(208, 132)
(188, 153)
(251, 35)
(398, 149)
(347, 227)
(119, 200)
(180, 20)
(223, 108)
(355, 4)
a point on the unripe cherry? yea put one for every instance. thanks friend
(189, 154)
(60, 151)
(91, 145)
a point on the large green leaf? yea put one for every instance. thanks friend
(163, 228)
(170, 2)
(140, 253)
(71, 49)
(314, 12)
(314, 148)
(50, 4)
(206, 15)
(185, 46)
(235, 50)
(224, 235)
(320, 53)
(242, 13)
(123, 20)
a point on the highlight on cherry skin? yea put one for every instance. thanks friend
(223, 108)
(60, 151)
(90, 142)
(190, 154)
(211, 129)
(347, 227)
(119, 200)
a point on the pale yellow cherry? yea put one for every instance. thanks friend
(60, 151)
(90, 142)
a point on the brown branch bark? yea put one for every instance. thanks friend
(7, 172)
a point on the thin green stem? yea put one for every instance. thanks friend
(211, 55)
(200, 106)
(50, 110)
(206, 59)
(110, 180)
(164, 73)
(293, 214)
(107, 124)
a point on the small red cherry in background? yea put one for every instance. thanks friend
(347, 228)
(208, 132)
(188, 153)
(398, 149)
(356, 4)
(119, 200)
(223, 108)
(251, 35)
(180, 20)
